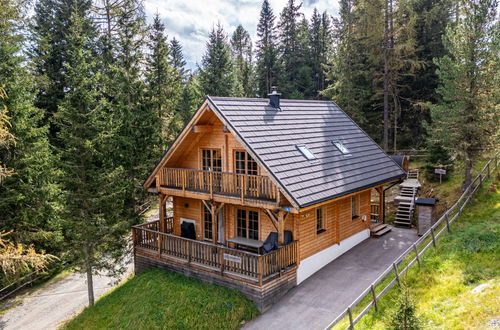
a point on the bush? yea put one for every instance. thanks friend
(438, 157)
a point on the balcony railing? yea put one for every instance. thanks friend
(243, 186)
(245, 266)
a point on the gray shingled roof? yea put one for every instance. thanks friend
(273, 135)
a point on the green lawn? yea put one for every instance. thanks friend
(459, 284)
(160, 299)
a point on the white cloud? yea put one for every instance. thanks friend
(190, 21)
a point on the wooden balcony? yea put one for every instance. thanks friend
(220, 186)
(232, 264)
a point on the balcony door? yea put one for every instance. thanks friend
(245, 164)
(211, 161)
(247, 224)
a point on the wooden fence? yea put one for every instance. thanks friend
(251, 267)
(453, 213)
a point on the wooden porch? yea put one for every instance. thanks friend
(238, 266)
(250, 190)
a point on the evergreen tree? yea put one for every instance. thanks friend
(405, 316)
(350, 69)
(304, 80)
(190, 100)
(321, 39)
(49, 51)
(267, 68)
(137, 146)
(30, 199)
(465, 120)
(94, 228)
(289, 29)
(163, 87)
(177, 58)
(217, 69)
(241, 48)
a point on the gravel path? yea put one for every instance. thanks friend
(50, 306)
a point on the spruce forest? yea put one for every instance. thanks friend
(93, 92)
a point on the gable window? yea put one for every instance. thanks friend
(306, 152)
(244, 163)
(342, 148)
(211, 160)
(355, 206)
(320, 221)
(247, 224)
(207, 224)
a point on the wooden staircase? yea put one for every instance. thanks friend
(378, 230)
(412, 174)
(406, 207)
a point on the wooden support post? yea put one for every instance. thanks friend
(381, 204)
(281, 228)
(447, 218)
(396, 272)
(213, 210)
(374, 295)
(211, 184)
(161, 208)
(242, 189)
(260, 270)
(159, 244)
(433, 237)
(416, 255)
(351, 324)
(222, 261)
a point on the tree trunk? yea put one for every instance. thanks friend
(468, 170)
(386, 77)
(90, 281)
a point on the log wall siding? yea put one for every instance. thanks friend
(194, 212)
(311, 242)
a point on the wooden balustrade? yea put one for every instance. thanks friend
(249, 267)
(375, 211)
(244, 186)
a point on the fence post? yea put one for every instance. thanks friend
(396, 272)
(416, 253)
(189, 251)
(447, 218)
(351, 325)
(260, 269)
(433, 237)
(222, 261)
(374, 298)
(459, 210)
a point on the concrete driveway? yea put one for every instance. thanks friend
(323, 296)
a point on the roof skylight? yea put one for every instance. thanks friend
(342, 148)
(306, 152)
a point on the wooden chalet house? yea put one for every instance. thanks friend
(265, 192)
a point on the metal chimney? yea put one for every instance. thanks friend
(274, 98)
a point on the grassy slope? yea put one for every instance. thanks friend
(464, 260)
(160, 299)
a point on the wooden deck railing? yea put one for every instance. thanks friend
(375, 211)
(246, 266)
(243, 186)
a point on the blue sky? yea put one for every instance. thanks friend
(190, 21)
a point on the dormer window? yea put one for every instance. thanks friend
(342, 148)
(306, 152)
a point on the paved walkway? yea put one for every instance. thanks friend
(323, 296)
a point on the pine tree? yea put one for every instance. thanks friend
(177, 59)
(405, 316)
(95, 230)
(241, 48)
(465, 120)
(30, 199)
(163, 87)
(304, 81)
(321, 39)
(49, 52)
(267, 68)
(289, 29)
(189, 102)
(350, 69)
(217, 69)
(137, 146)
